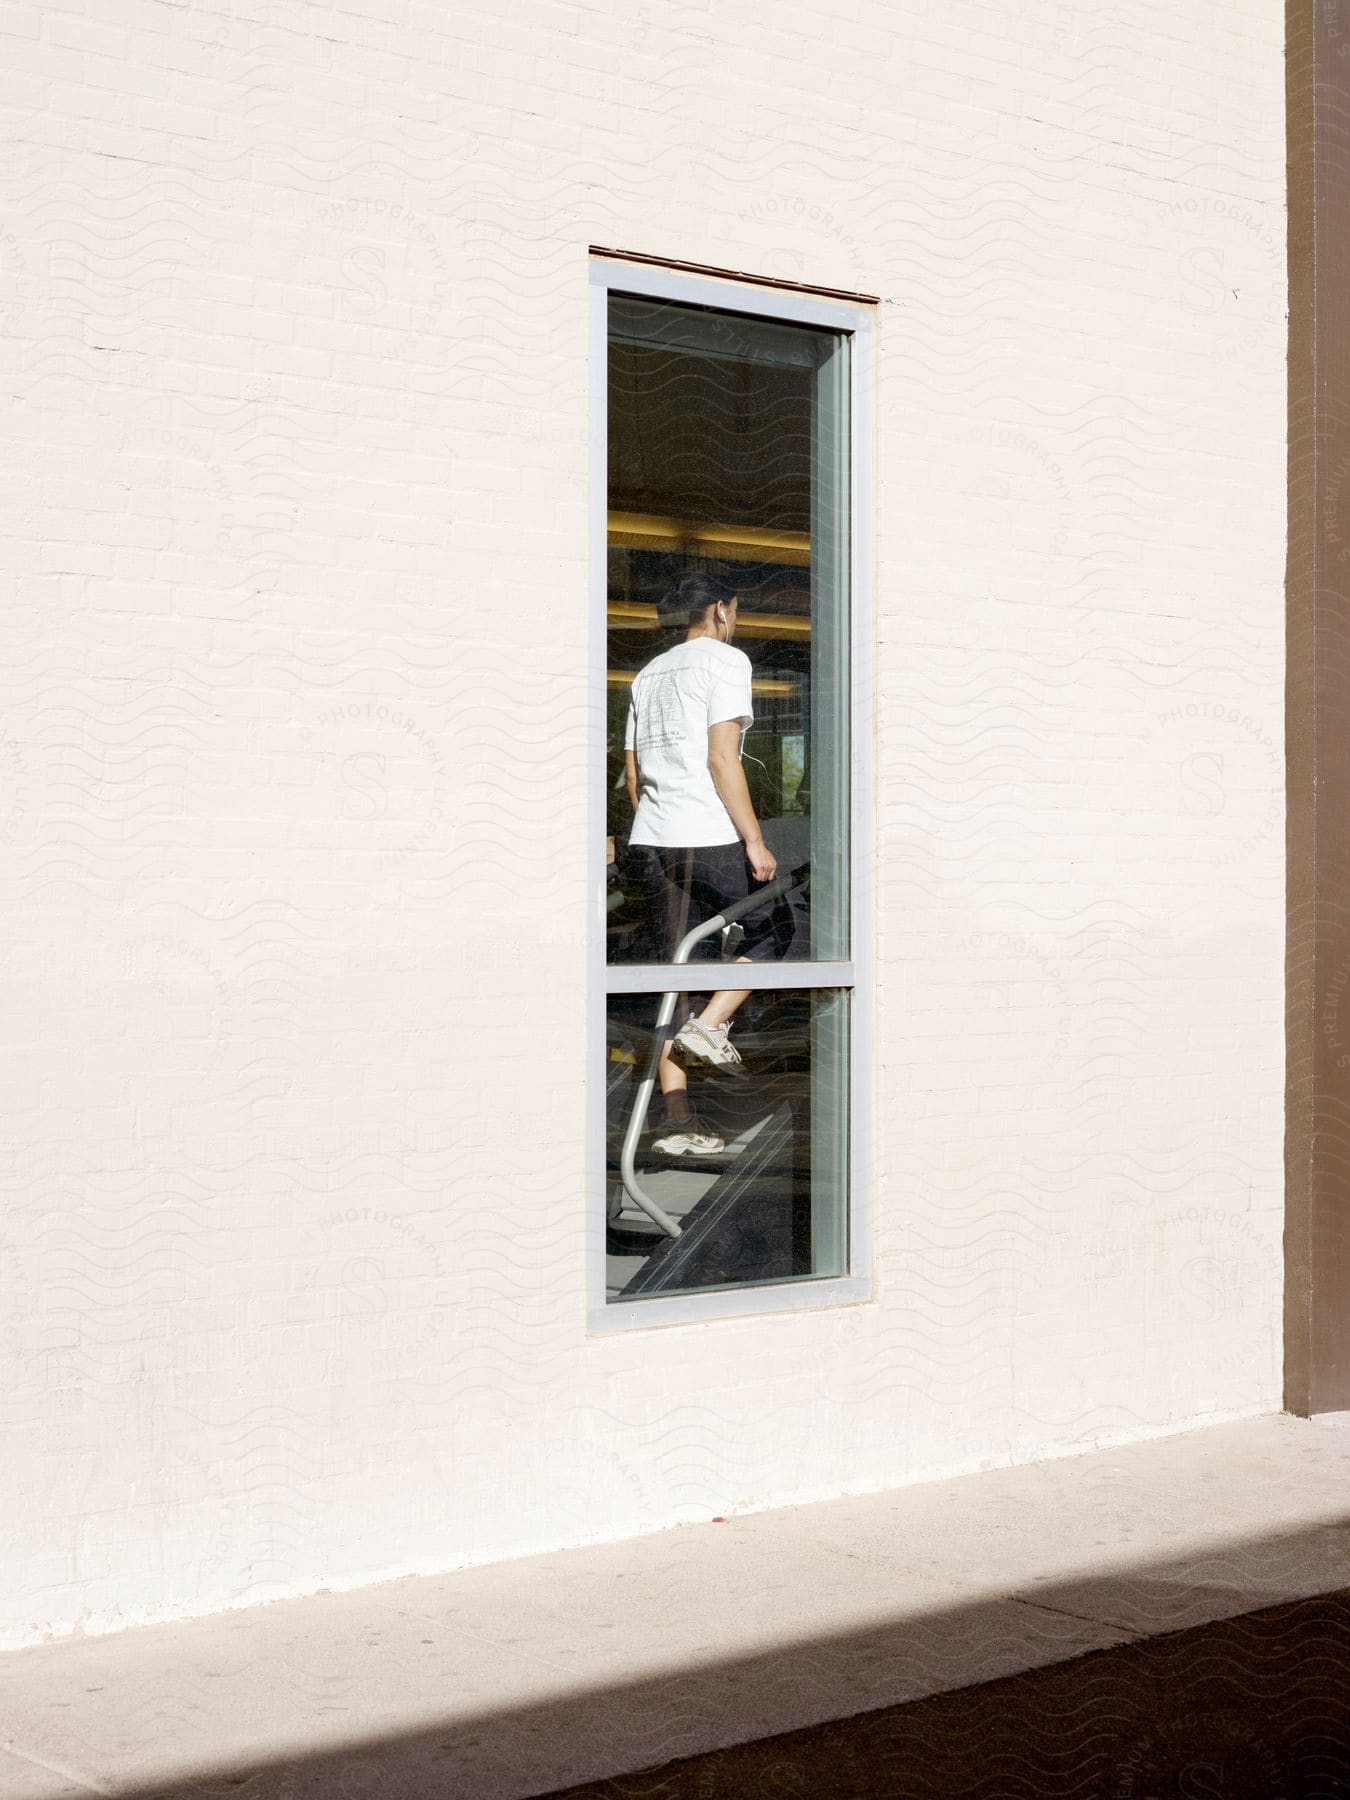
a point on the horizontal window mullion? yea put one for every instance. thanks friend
(702, 977)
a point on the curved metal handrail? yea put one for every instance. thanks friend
(774, 890)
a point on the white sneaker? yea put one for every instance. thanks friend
(689, 1138)
(707, 1043)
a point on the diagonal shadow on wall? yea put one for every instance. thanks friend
(1198, 1688)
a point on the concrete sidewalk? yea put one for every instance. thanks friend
(524, 1677)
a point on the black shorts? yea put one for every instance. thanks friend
(698, 883)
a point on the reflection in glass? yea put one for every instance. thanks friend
(754, 1180)
(728, 455)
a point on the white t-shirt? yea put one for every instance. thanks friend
(675, 699)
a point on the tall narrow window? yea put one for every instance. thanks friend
(728, 968)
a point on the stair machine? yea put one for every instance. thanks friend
(743, 1215)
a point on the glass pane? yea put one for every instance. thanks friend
(728, 459)
(745, 1160)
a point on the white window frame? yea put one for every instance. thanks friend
(613, 274)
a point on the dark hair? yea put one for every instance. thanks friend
(688, 601)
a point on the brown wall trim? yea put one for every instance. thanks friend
(1317, 713)
(766, 281)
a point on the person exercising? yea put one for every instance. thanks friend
(687, 719)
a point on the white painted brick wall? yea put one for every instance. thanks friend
(294, 306)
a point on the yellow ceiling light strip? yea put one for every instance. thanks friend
(737, 543)
(782, 626)
(781, 690)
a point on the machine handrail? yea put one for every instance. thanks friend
(774, 890)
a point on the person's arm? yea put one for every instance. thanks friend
(631, 779)
(724, 762)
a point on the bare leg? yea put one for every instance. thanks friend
(722, 1005)
(720, 1008)
(674, 1082)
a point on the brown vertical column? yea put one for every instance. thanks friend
(1317, 710)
